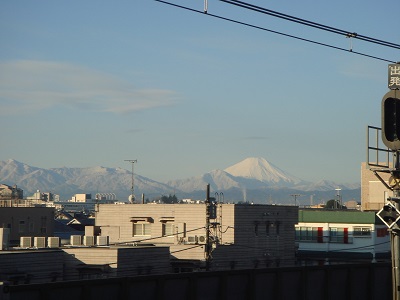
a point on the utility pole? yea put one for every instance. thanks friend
(395, 243)
(390, 214)
(132, 161)
(208, 245)
(395, 229)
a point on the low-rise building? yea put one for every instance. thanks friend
(42, 265)
(31, 266)
(27, 222)
(81, 203)
(340, 235)
(374, 193)
(8, 192)
(115, 261)
(240, 236)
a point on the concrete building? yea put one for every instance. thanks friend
(31, 266)
(42, 196)
(28, 266)
(81, 203)
(243, 236)
(115, 261)
(27, 222)
(340, 235)
(8, 192)
(373, 191)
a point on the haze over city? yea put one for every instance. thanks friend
(95, 83)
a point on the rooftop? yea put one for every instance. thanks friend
(338, 216)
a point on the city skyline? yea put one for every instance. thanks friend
(95, 84)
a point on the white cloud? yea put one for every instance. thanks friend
(27, 86)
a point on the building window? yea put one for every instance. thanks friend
(140, 229)
(167, 228)
(339, 235)
(31, 227)
(256, 228)
(43, 224)
(362, 231)
(278, 224)
(21, 228)
(334, 235)
(310, 234)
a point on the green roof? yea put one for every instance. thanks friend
(338, 216)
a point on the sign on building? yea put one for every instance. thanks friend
(394, 76)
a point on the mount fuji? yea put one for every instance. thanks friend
(262, 170)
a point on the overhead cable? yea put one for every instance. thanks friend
(276, 32)
(310, 23)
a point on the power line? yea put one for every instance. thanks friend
(361, 247)
(310, 23)
(158, 237)
(196, 246)
(275, 32)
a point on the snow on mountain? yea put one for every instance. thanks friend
(69, 181)
(326, 185)
(252, 176)
(218, 180)
(262, 170)
(14, 172)
(111, 180)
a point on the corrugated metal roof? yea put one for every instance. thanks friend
(338, 216)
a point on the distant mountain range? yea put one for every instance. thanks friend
(253, 180)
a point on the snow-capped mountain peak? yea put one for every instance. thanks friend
(262, 170)
(251, 178)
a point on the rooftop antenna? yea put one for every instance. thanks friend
(132, 161)
(338, 199)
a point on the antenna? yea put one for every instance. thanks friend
(132, 161)
(338, 199)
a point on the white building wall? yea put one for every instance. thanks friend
(377, 242)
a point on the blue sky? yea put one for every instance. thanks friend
(93, 83)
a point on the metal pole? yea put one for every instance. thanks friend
(395, 259)
(207, 248)
(395, 238)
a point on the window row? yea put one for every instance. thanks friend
(144, 229)
(29, 227)
(270, 228)
(334, 235)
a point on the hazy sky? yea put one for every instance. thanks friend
(93, 83)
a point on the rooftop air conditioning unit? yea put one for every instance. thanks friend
(102, 240)
(202, 239)
(53, 242)
(39, 242)
(192, 239)
(76, 240)
(26, 242)
(88, 240)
